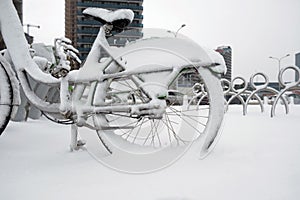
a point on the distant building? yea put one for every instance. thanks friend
(297, 59)
(226, 52)
(19, 6)
(83, 30)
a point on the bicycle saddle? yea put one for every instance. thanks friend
(120, 19)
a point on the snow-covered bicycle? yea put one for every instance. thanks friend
(159, 92)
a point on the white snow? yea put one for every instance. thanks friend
(257, 157)
(250, 162)
(109, 15)
(185, 49)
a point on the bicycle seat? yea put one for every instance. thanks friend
(120, 19)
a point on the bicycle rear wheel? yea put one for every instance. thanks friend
(138, 141)
(141, 144)
(185, 119)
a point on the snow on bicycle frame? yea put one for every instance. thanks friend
(154, 48)
(152, 64)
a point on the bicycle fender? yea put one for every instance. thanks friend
(182, 47)
(15, 84)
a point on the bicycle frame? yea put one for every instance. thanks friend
(154, 108)
(188, 56)
(67, 105)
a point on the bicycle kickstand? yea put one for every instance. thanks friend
(75, 143)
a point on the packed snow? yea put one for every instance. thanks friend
(257, 157)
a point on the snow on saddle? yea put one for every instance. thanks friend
(120, 19)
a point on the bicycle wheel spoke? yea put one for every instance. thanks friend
(169, 135)
(174, 133)
(140, 126)
(197, 109)
(153, 133)
(201, 116)
(149, 133)
(157, 134)
(135, 126)
(131, 130)
(192, 125)
(176, 112)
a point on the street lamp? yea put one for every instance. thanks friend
(31, 25)
(175, 34)
(183, 25)
(279, 62)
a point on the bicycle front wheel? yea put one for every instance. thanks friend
(5, 99)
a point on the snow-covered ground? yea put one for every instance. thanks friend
(256, 158)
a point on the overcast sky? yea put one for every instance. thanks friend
(255, 29)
